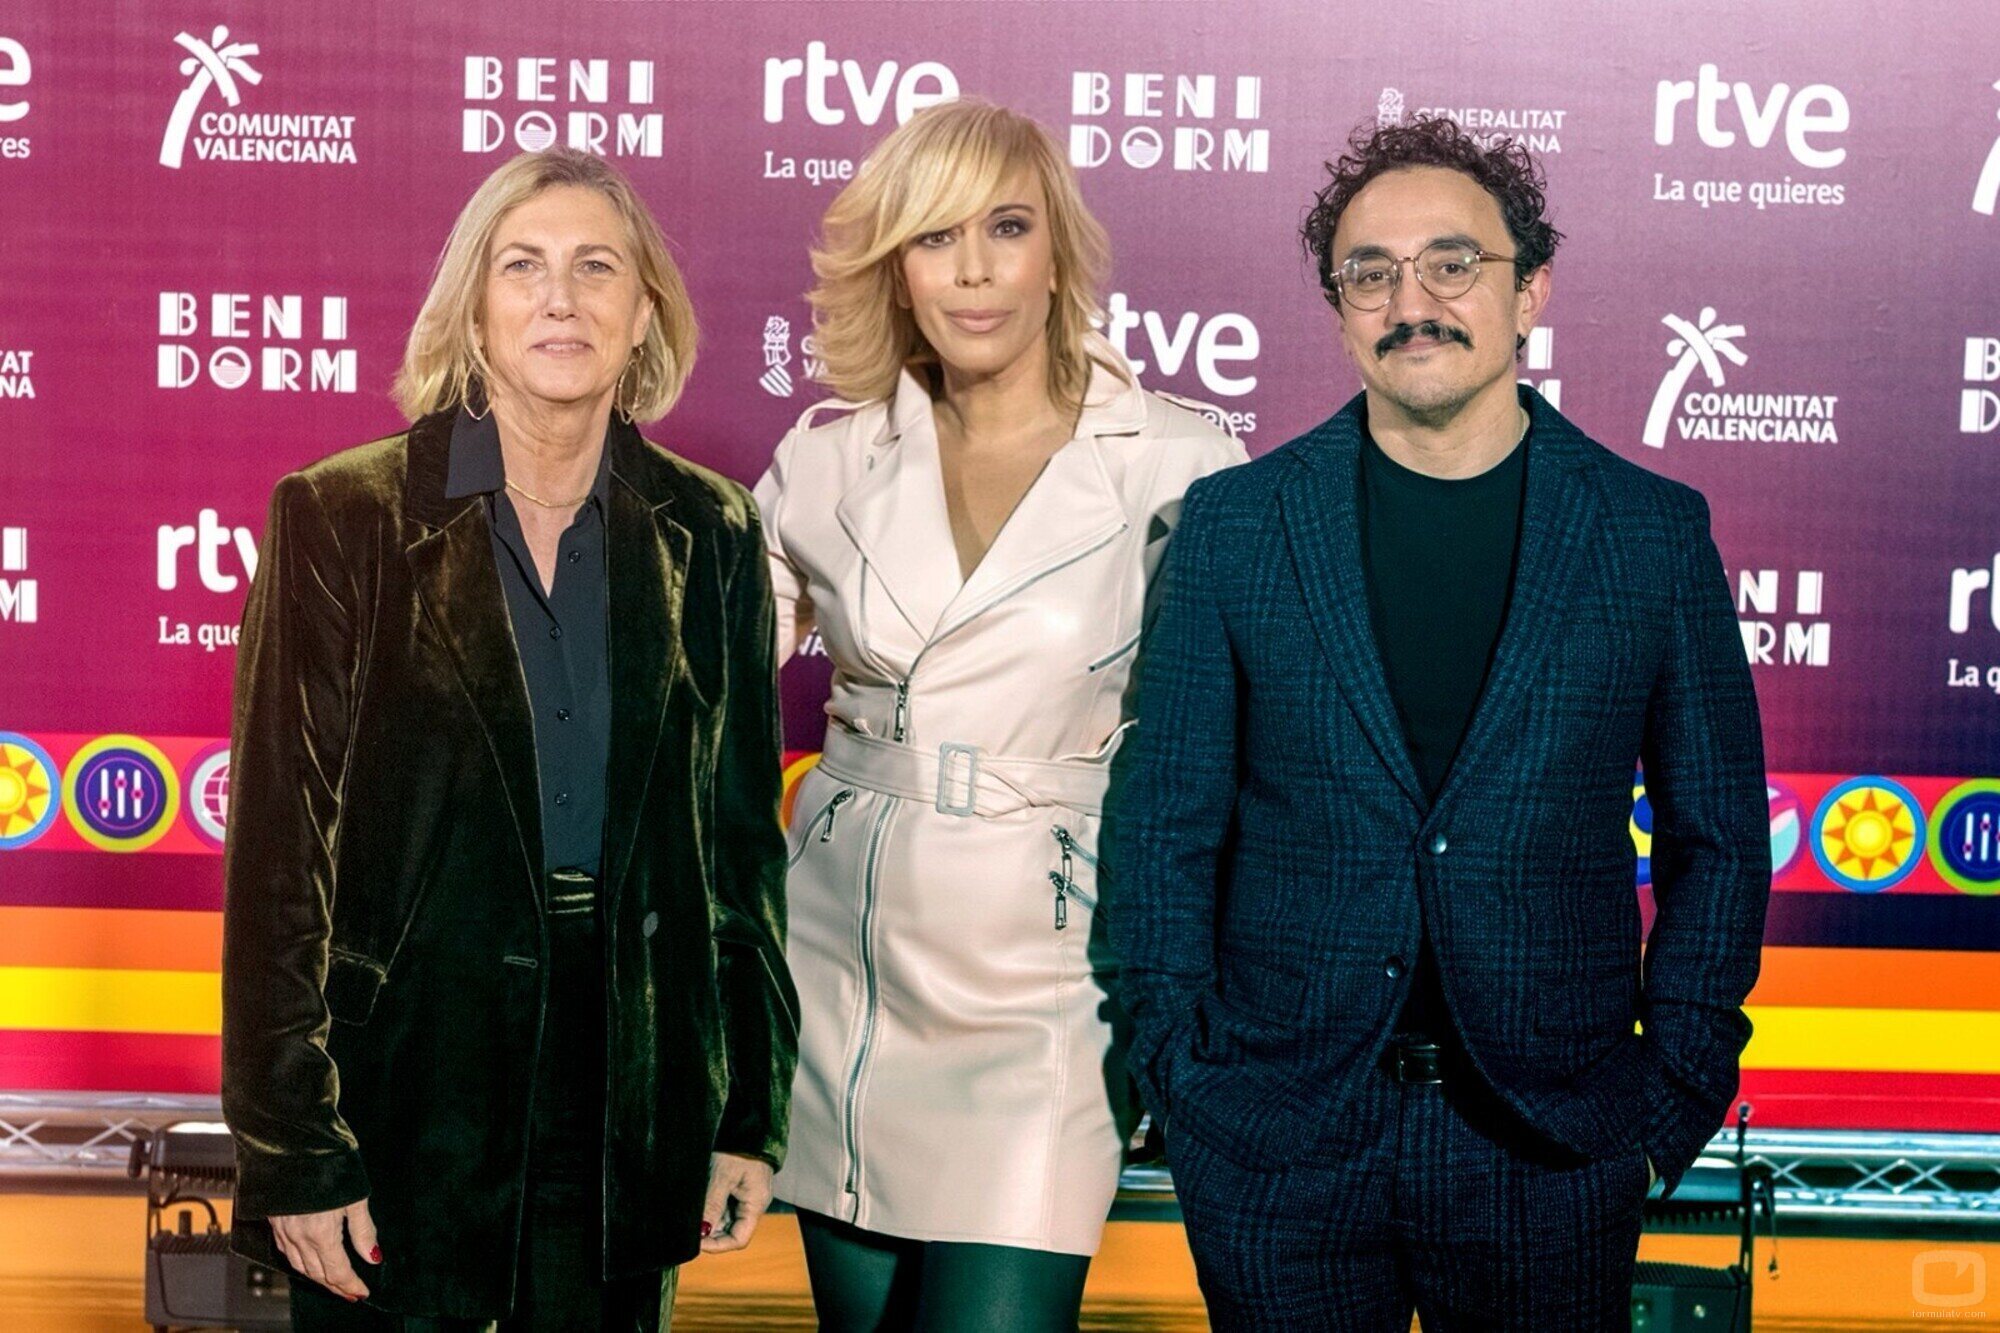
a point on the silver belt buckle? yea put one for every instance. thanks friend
(949, 754)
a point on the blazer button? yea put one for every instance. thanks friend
(651, 924)
(1438, 844)
(1392, 968)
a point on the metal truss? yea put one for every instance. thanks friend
(1922, 1179)
(1868, 1177)
(1823, 1175)
(85, 1137)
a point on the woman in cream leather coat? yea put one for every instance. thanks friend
(974, 544)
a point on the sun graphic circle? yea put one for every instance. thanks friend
(1868, 834)
(28, 795)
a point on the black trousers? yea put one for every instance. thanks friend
(1452, 1209)
(558, 1287)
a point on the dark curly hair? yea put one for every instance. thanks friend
(1505, 171)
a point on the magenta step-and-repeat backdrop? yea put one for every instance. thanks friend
(217, 220)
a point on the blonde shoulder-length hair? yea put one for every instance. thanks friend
(944, 166)
(444, 364)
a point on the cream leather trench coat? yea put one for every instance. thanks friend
(961, 1073)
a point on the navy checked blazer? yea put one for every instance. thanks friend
(1271, 855)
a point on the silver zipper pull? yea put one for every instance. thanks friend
(902, 706)
(840, 798)
(1063, 879)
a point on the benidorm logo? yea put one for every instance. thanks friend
(230, 135)
(603, 109)
(1201, 122)
(1704, 414)
(1781, 631)
(19, 600)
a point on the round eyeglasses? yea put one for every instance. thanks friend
(1446, 270)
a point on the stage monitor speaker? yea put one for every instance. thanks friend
(1681, 1298)
(193, 1280)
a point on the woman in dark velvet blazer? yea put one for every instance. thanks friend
(507, 1030)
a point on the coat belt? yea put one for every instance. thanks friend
(964, 779)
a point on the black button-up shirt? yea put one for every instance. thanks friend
(560, 637)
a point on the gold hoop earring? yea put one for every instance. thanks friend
(483, 397)
(618, 402)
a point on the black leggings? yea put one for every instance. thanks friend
(867, 1283)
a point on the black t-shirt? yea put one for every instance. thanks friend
(1438, 559)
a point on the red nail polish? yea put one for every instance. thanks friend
(375, 1255)
(707, 1227)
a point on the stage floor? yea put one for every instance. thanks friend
(72, 1264)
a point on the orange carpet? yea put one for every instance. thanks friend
(72, 1264)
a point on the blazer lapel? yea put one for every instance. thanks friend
(647, 553)
(895, 516)
(1071, 509)
(451, 564)
(1320, 511)
(1558, 516)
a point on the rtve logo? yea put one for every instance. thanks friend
(1805, 640)
(1818, 109)
(925, 83)
(18, 602)
(588, 84)
(282, 320)
(1216, 343)
(1979, 409)
(15, 71)
(1144, 98)
(1966, 582)
(1985, 195)
(210, 540)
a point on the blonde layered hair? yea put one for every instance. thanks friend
(947, 165)
(444, 364)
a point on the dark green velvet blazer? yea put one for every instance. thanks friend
(382, 983)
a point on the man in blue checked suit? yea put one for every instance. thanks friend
(1371, 873)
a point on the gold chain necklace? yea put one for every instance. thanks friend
(546, 504)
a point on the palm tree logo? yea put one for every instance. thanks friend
(1986, 194)
(214, 63)
(1704, 343)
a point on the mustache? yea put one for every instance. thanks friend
(1430, 328)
